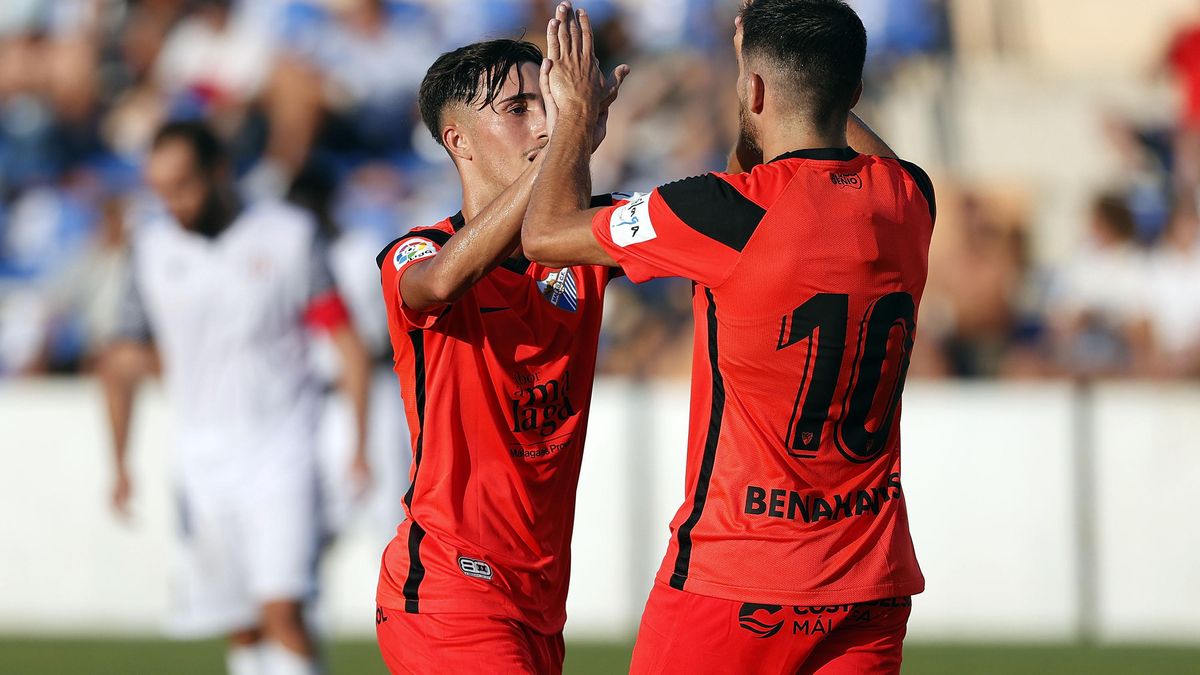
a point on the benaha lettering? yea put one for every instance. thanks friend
(789, 504)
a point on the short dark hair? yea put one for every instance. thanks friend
(820, 46)
(208, 150)
(460, 75)
(1111, 211)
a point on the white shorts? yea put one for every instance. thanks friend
(239, 550)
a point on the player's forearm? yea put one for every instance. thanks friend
(355, 381)
(864, 139)
(479, 247)
(120, 374)
(563, 185)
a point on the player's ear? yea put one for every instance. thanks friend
(456, 143)
(857, 95)
(757, 95)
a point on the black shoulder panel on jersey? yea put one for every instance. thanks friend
(714, 208)
(601, 200)
(436, 236)
(923, 183)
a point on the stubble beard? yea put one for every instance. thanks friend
(747, 138)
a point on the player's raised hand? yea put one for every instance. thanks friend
(571, 75)
(613, 87)
(575, 78)
(548, 103)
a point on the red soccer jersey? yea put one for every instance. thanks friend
(496, 389)
(808, 272)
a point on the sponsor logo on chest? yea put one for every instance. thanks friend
(543, 406)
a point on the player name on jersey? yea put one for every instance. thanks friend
(790, 504)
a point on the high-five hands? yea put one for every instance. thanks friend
(571, 81)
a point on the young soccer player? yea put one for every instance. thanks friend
(227, 293)
(791, 552)
(495, 356)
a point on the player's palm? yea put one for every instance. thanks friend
(571, 75)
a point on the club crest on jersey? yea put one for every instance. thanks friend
(413, 250)
(560, 289)
(630, 223)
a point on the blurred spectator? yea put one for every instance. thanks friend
(1173, 306)
(1183, 57)
(214, 64)
(298, 86)
(348, 82)
(1146, 157)
(1099, 302)
(973, 309)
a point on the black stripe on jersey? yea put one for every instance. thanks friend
(436, 236)
(416, 569)
(714, 208)
(684, 558)
(923, 183)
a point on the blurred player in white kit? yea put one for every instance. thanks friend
(227, 293)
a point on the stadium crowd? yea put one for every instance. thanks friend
(316, 99)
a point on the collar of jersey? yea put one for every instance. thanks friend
(830, 154)
(519, 264)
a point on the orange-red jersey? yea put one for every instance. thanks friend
(808, 273)
(496, 389)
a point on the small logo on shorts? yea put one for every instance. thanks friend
(475, 568)
(380, 617)
(760, 628)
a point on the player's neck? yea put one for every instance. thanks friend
(784, 139)
(220, 209)
(476, 195)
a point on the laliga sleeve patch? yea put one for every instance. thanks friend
(630, 224)
(412, 250)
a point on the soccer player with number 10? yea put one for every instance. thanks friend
(791, 552)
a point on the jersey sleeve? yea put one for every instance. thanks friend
(133, 322)
(324, 307)
(924, 185)
(395, 260)
(694, 228)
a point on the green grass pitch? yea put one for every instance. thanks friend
(46, 656)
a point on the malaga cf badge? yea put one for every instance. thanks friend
(559, 288)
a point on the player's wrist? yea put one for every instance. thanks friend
(576, 115)
(580, 107)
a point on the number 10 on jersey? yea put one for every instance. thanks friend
(884, 345)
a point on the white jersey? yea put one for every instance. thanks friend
(227, 315)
